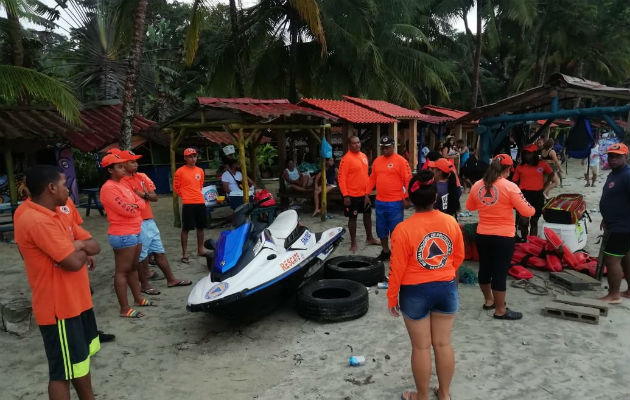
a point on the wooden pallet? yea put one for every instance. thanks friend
(572, 313)
(602, 306)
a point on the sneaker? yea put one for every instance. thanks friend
(509, 315)
(105, 337)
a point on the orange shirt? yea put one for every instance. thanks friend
(187, 183)
(532, 177)
(496, 215)
(69, 212)
(353, 174)
(426, 247)
(44, 238)
(391, 176)
(123, 219)
(143, 183)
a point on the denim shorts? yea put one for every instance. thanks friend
(418, 301)
(388, 215)
(150, 239)
(122, 241)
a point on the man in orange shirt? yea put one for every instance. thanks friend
(390, 175)
(187, 183)
(55, 252)
(353, 178)
(150, 237)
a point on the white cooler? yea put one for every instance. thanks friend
(573, 235)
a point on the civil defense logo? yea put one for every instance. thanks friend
(434, 250)
(488, 196)
(64, 209)
(197, 176)
(216, 290)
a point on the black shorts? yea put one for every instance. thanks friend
(537, 199)
(617, 244)
(69, 344)
(193, 216)
(357, 206)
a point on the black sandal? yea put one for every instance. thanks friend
(490, 307)
(509, 315)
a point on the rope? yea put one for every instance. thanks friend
(540, 289)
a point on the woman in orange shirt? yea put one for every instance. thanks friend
(123, 209)
(496, 198)
(427, 250)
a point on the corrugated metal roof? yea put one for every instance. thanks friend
(385, 107)
(263, 107)
(349, 111)
(219, 137)
(434, 119)
(449, 112)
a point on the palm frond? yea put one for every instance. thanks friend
(308, 10)
(191, 43)
(16, 82)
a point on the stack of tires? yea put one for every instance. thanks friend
(343, 295)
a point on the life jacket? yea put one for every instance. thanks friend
(520, 272)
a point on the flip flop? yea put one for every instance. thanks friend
(132, 314)
(617, 301)
(183, 282)
(185, 260)
(146, 303)
(408, 395)
(151, 291)
(509, 315)
(490, 307)
(436, 390)
(156, 276)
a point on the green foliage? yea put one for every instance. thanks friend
(266, 156)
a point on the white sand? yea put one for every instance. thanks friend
(174, 354)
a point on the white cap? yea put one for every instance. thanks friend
(228, 150)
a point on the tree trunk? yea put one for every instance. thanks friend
(128, 111)
(238, 67)
(477, 62)
(543, 67)
(15, 33)
(293, 32)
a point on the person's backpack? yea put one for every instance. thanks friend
(565, 209)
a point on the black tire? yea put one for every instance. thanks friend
(332, 300)
(366, 270)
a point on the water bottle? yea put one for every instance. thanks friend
(382, 285)
(356, 361)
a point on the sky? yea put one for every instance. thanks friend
(458, 24)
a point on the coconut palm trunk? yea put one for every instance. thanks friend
(129, 94)
(477, 62)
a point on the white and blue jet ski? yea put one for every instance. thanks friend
(255, 266)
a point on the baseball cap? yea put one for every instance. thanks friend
(617, 148)
(531, 147)
(189, 151)
(129, 155)
(387, 141)
(110, 159)
(442, 164)
(505, 159)
(229, 150)
(114, 150)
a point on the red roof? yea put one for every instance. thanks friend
(542, 122)
(387, 108)
(263, 107)
(349, 111)
(136, 141)
(445, 111)
(220, 137)
(434, 119)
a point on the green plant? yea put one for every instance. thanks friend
(266, 156)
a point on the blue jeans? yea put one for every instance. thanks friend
(388, 215)
(418, 301)
(122, 241)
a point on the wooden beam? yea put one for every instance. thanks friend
(378, 140)
(177, 222)
(8, 160)
(413, 145)
(324, 200)
(235, 126)
(344, 137)
(241, 157)
(395, 134)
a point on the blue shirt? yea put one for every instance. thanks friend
(615, 202)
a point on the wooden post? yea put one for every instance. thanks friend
(8, 160)
(413, 144)
(395, 134)
(177, 222)
(253, 147)
(344, 137)
(241, 157)
(378, 140)
(323, 198)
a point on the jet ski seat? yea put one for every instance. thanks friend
(284, 224)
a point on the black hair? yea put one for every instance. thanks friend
(534, 160)
(423, 193)
(494, 172)
(453, 195)
(39, 177)
(433, 156)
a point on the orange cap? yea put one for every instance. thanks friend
(189, 151)
(617, 148)
(129, 155)
(110, 159)
(442, 164)
(531, 147)
(505, 159)
(114, 150)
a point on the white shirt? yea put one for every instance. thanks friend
(593, 158)
(231, 180)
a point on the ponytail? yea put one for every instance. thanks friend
(494, 172)
(453, 195)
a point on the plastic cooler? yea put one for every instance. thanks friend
(573, 235)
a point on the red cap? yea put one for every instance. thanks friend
(442, 164)
(189, 151)
(531, 147)
(129, 155)
(617, 148)
(114, 150)
(505, 159)
(110, 159)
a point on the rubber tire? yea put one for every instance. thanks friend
(330, 307)
(366, 270)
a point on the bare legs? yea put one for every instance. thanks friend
(434, 331)
(60, 390)
(528, 226)
(352, 227)
(617, 267)
(126, 275)
(184, 240)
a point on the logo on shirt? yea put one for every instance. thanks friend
(434, 250)
(365, 161)
(197, 176)
(64, 209)
(539, 169)
(611, 185)
(488, 196)
(390, 165)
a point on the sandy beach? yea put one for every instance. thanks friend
(175, 354)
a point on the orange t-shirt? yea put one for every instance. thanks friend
(532, 177)
(69, 212)
(353, 174)
(496, 216)
(426, 247)
(187, 183)
(391, 176)
(44, 238)
(143, 183)
(123, 219)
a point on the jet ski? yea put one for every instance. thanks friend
(255, 266)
